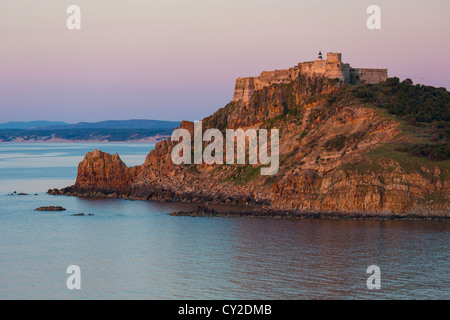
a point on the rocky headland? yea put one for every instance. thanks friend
(345, 150)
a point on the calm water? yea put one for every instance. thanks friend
(134, 250)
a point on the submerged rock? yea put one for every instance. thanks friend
(50, 208)
(293, 214)
(201, 211)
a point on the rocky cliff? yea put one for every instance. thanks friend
(103, 172)
(343, 148)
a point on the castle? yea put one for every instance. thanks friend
(331, 68)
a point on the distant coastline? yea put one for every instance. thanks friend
(111, 131)
(152, 139)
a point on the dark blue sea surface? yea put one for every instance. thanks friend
(135, 250)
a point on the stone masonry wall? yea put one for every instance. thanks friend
(332, 68)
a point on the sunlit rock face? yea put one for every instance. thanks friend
(337, 154)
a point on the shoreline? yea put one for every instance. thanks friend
(204, 211)
(264, 211)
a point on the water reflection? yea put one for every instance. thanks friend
(135, 250)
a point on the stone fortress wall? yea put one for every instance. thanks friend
(331, 68)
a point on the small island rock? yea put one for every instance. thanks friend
(50, 208)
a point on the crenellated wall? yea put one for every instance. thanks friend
(331, 68)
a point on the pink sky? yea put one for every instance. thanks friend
(177, 60)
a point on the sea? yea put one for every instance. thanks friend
(135, 250)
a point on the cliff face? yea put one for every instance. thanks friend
(338, 153)
(353, 191)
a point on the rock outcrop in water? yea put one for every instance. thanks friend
(50, 208)
(102, 171)
(339, 152)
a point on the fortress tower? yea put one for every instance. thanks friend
(332, 68)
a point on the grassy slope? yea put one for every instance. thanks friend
(423, 113)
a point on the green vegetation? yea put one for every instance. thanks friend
(414, 103)
(192, 168)
(338, 142)
(219, 119)
(243, 174)
(364, 167)
(436, 152)
(408, 163)
(273, 122)
(335, 143)
(424, 116)
(423, 111)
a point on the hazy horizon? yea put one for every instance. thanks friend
(178, 60)
(76, 122)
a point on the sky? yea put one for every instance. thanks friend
(179, 59)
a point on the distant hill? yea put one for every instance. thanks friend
(120, 130)
(110, 124)
(30, 124)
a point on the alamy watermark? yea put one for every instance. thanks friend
(374, 281)
(213, 152)
(74, 280)
(374, 20)
(73, 22)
